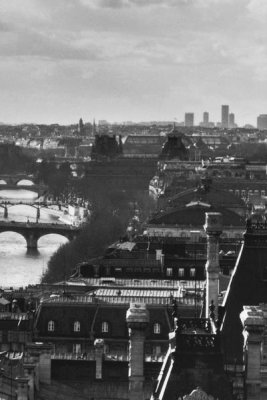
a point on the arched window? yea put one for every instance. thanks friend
(51, 326)
(156, 328)
(76, 326)
(105, 327)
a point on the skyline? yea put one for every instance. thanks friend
(136, 60)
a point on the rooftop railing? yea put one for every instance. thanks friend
(125, 300)
(14, 316)
(207, 343)
(90, 356)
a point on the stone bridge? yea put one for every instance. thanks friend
(44, 205)
(22, 181)
(32, 231)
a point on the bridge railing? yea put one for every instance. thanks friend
(39, 225)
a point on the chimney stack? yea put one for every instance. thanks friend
(137, 318)
(213, 229)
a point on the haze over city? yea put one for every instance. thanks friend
(132, 59)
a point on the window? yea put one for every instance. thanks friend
(76, 326)
(104, 327)
(106, 348)
(76, 348)
(156, 328)
(192, 272)
(181, 272)
(169, 271)
(51, 326)
(156, 350)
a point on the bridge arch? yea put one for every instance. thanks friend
(32, 232)
(23, 212)
(3, 182)
(15, 235)
(33, 238)
(53, 239)
(25, 182)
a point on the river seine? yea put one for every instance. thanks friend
(19, 267)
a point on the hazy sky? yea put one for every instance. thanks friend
(132, 59)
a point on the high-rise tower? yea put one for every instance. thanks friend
(189, 119)
(262, 122)
(225, 116)
(205, 118)
(232, 120)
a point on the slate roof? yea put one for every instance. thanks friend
(195, 216)
(248, 286)
(139, 145)
(211, 194)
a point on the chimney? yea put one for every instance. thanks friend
(22, 390)
(99, 354)
(213, 229)
(137, 318)
(252, 318)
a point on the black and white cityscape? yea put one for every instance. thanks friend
(133, 200)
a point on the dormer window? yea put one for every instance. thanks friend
(192, 272)
(105, 327)
(157, 328)
(181, 272)
(76, 326)
(51, 326)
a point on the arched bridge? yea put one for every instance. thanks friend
(43, 205)
(17, 180)
(32, 231)
(22, 181)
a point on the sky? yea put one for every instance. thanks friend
(132, 60)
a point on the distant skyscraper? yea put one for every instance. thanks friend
(225, 116)
(189, 119)
(231, 120)
(262, 122)
(205, 118)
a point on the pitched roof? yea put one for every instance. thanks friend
(209, 193)
(248, 286)
(195, 216)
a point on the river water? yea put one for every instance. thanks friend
(19, 267)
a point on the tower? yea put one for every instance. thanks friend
(262, 122)
(80, 127)
(213, 229)
(205, 118)
(225, 116)
(231, 120)
(137, 318)
(189, 119)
